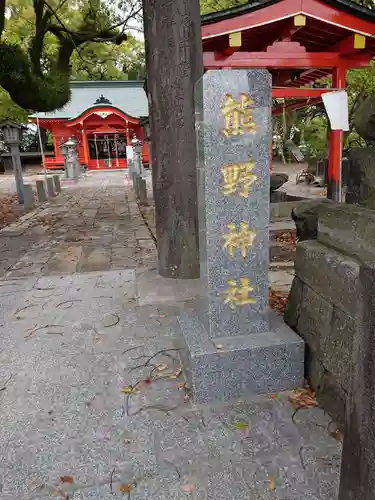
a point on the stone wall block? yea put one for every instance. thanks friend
(332, 275)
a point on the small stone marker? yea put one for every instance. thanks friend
(28, 196)
(232, 344)
(135, 183)
(57, 183)
(50, 187)
(41, 191)
(142, 191)
(357, 480)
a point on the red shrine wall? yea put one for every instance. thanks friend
(102, 136)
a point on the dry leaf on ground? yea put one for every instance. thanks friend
(278, 300)
(128, 389)
(126, 487)
(288, 238)
(67, 479)
(161, 367)
(188, 487)
(303, 398)
(272, 484)
(241, 425)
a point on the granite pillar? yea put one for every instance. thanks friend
(41, 191)
(28, 197)
(57, 183)
(357, 480)
(231, 343)
(50, 187)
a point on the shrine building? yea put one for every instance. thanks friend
(103, 117)
(299, 42)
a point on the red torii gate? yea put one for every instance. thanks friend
(299, 42)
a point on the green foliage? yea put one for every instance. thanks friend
(44, 43)
(208, 6)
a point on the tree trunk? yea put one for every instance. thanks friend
(174, 64)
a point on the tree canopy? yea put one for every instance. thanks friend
(43, 40)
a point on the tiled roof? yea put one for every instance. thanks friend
(128, 96)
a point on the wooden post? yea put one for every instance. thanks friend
(174, 65)
(358, 459)
(336, 138)
(85, 148)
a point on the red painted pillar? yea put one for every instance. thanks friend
(336, 144)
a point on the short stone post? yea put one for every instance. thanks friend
(135, 183)
(28, 196)
(358, 458)
(56, 181)
(50, 187)
(142, 191)
(233, 345)
(41, 191)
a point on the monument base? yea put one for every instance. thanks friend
(231, 367)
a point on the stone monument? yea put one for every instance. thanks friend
(231, 343)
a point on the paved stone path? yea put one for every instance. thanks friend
(92, 410)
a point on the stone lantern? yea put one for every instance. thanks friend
(12, 136)
(71, 161)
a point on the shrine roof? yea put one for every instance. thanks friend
(326, 27)
(127, 96)
(343, 5)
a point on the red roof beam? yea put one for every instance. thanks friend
(303, 60)
(278, 110)
(298, 93)
(350, 45)
(289, 8)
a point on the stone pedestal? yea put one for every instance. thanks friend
(231, 344)
(41, 191)
(50, 187)
(28, 197)
(57, 183)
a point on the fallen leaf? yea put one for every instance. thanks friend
(272, 484)
(128, 389)
(178, 372)
(126, 487)
(303, 398)
(187, 487)
(67, 479)
(161, 367)
(241, 425)
(181, 386)
(278, 300)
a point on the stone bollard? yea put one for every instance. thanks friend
(135, 183)
(357, 480)
(142, 191)
(41, 191)
(50, 187)
(28, 196)
(56, 181)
